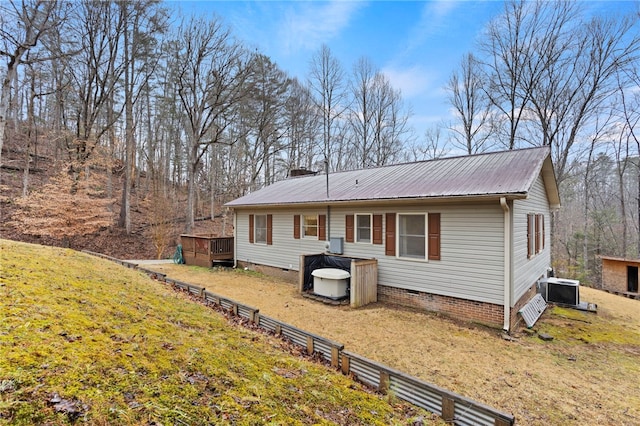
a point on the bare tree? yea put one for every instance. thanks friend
(302, 124)
(471, 105)
(21, 28)
(629, 111)
(95, 73)
(391, 129)
(362, 110)
(263, 111)
(327, 84)
(576, 86)
(432, 148)
(212, 69)
(506, 47)
(144, 21)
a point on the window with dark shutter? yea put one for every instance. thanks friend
(535, 234)
(434, 236)
(348, 228)
(296, 226)
(322, 227)
(390, 235)
(269, 229)
(377, 229)
(251, 229)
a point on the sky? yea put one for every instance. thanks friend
(417, 44)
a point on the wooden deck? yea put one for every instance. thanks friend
(203, 250)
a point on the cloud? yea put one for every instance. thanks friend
(412, 82)
(432, 21)
(306, 25)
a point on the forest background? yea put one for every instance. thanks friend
(122, 125)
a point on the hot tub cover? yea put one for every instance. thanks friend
(331, 273)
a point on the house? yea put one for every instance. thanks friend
(467, 236)
(620, 275)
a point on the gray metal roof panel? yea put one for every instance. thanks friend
(500, 173)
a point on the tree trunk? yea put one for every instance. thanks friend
(125, 208)
(4, 104)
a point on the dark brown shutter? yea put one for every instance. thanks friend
(377, 229)
(434, 236)
(390, 235)
(348, 228)
(529, 235)
(322, 227)
(296, 226)
(542, 221)
(269, 229)
(536, 220)
(251, 228)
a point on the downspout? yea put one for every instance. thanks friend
(507, 264)
(235, 239)
(328, 236)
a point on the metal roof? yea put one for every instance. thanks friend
(507, 173)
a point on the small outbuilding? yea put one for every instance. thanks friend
(620, 275)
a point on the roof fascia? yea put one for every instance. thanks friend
(464, 199)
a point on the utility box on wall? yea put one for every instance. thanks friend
(336, 245)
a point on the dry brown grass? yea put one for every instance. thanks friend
(588, 374)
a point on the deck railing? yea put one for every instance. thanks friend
(202, 250)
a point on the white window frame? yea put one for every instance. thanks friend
(304, 226)
(357, 228)
(256, 227)
(425, 215)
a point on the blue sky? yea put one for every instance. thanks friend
(417, 44)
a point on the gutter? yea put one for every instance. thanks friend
(507, 264)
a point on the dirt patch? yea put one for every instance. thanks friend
(570, 380)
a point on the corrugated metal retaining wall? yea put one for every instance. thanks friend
(450, 406)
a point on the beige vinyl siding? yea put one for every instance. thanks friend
(526, 271)
(285, 251)
(471, 265)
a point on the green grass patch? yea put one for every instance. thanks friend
(84, 339)
(578, 327)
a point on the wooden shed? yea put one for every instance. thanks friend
(620, 275)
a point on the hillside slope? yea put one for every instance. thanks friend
(82, 338)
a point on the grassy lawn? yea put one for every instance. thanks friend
(86, 340)
(588, 375)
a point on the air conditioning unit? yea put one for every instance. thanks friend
(563, 291)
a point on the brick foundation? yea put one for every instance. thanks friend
(480, 312)
(288, 275)
(469, 310)
(516, 319)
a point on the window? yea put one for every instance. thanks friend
(310, 226)
(410, 241)
(260, 229)
(411, 236)
(363, 228)
(535, 234)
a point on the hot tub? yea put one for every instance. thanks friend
(331, 282)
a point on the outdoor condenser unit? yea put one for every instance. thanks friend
(563, 291)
